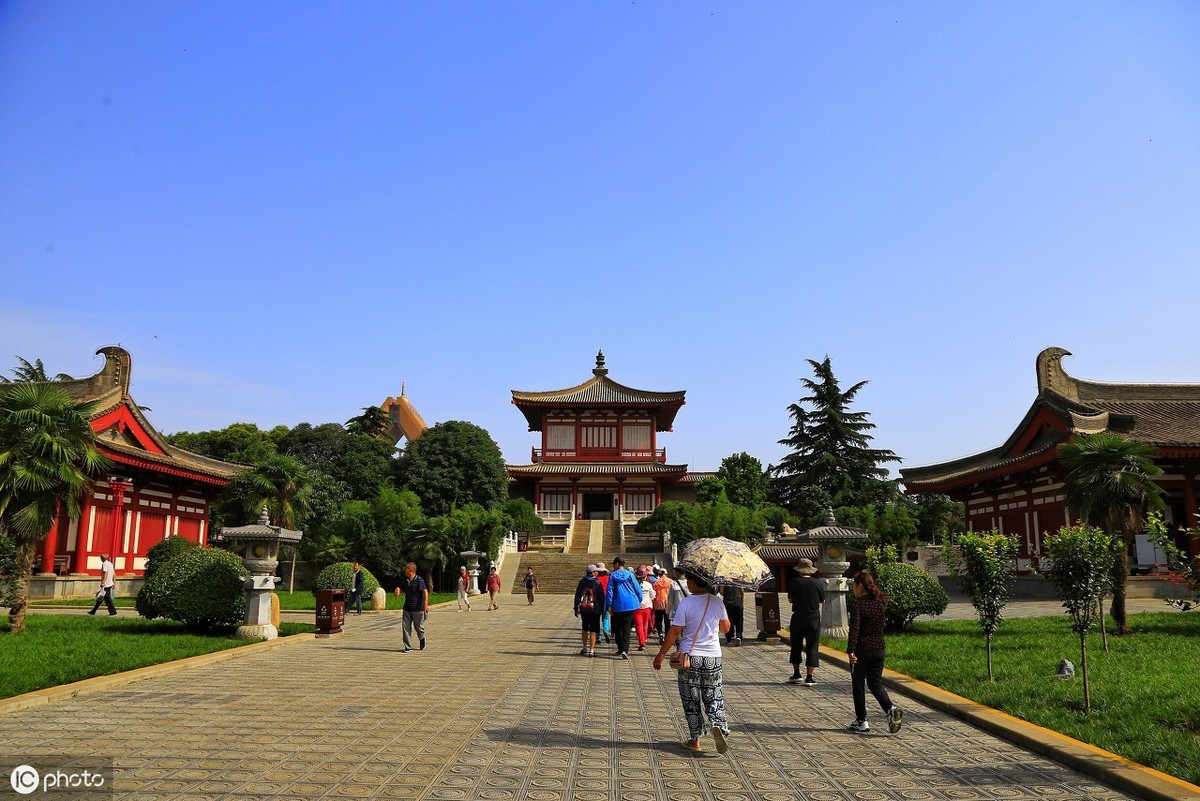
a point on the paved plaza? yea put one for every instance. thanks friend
(500, 706)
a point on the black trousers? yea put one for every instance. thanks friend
(735, 614)
(868, 671)
(806, 640)
(621, 623)
(107, 599)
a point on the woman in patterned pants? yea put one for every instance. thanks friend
(697, 626)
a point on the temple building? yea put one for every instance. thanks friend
(153, 489)
(599, 467)
(1017, 487)
(406, 422)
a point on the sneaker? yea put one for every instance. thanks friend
(641, 648)
(795, 680)
(405, 650)
(92, 612)
(583, 652)
(722, 743)
(895, 715)
(737, 641)
(112, 614)
(624, 655)
(591, 652)
(422, 643)
(809, 681)
(860, 726)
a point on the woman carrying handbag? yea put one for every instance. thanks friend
(697, 628)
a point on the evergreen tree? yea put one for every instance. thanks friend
(830, 445)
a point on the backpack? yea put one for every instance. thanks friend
(587, 600)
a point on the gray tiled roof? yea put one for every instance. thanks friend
(597, 469)
(109, 389)
(599, 392)
(1163, 415)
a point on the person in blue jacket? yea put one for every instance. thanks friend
(623, 598)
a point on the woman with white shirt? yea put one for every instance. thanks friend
(697, 626)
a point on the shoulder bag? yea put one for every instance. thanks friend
(681, 660)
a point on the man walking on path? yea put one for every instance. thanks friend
(356, 591)
(107, 576)
(416, 606)
(530, 582)
(807, 596)
(623, 597)
(733, 598)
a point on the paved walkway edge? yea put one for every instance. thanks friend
(1105, 766)
(51, 694)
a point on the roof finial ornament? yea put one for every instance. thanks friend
(600, 368)
(402, 389)
(1052, 376)
(264, 517)
(830, 519)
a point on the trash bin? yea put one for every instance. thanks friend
(766, 610)
(331, 611)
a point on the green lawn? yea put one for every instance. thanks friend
(59, 649)
(1145, 695)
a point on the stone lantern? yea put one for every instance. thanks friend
(832, 541)
(473, 558)
(260, 552)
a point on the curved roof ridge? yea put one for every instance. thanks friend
(1054, 378)
(601, 383)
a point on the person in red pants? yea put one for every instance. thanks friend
(643, 618)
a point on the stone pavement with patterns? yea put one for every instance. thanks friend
(501, 706)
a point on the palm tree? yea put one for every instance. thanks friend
(34, 371)
(374, 422)
(284, 486)
(1110, 484)
(47, 459)
(281, 484)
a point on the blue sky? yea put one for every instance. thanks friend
(285, 210)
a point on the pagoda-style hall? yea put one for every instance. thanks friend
(599, 467)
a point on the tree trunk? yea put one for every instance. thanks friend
(292, 574)
(1120, 586)
(1087, 692)
(1103, 624)
(23, 564)
(989, 657)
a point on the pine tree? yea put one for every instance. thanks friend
(830, 445)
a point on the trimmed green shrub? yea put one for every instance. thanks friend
(203, 588)
(156, 557)
(340, 576)
(911, 592)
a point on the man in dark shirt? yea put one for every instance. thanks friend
(807, 595)
(416, 606)
(356, 592)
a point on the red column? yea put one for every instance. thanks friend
(50, 546)
(119, 488)
(81, 537)
(1189, 505)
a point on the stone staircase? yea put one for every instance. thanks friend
(592, 537)
(559, 573)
